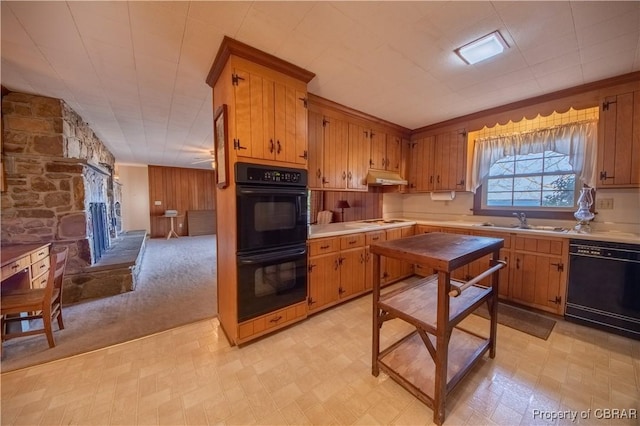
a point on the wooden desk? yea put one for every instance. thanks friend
(433, 359)
(31, 260)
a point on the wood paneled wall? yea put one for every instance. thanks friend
(364, 205)
(178, 189)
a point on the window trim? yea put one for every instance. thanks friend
(478, 210)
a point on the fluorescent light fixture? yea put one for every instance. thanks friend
(483, 48)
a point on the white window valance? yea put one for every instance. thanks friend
(576, 140)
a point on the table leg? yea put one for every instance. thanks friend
(172, 232)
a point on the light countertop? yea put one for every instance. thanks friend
(345, 228)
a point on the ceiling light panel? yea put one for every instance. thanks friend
(483, 48)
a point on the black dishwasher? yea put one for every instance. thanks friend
(604, 286)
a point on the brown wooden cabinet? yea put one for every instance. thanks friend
(357, 159)
(386, 150)
(316, 150)
(539, 272)
(336, 270)
(270, 116)
(619, 141)
(335, 147)
(438, 162)
(392, 270)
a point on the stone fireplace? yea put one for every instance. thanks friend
(59, 187)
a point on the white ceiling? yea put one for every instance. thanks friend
(135, 71)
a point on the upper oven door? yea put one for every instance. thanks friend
(270, 216)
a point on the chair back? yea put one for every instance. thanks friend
(56, 273)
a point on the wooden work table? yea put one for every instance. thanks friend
(430, 361)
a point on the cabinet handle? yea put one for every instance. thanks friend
(341, 291)
(559, 266)
(349, 175)
(603, 176)
(344, 175)
(336, 265)
(517, 263)
(430, 179)
(310, 301)
(271, 146)
(557, 300)
(43, 266)
(279, 148)
(318, 174)
(438, 179)
(375, 238)
(324, 247)
(371, 163)
(362, 258)
(461, 182)
(341, 260)
(304, 155)
(276, 319)
(14, 267)
(352, 242)
(324, 180)
(311, 267)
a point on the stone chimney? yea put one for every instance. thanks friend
(55, 168)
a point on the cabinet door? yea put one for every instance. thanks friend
(249, 114)
(449, 161)
(324, 278)
(352, 272)
(391, 269)
(422, 164)
(394, 153)
(619, 142)
(539, 273)
(378, 150)
(336, 141)
(315, 150)
(358, 157)
(290, 124)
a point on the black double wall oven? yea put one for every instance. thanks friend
(272, 222)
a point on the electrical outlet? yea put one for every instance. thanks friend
(179, 225)
(604, 204)
(157, 203)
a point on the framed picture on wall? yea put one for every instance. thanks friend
(220, 136)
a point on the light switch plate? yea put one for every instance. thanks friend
(157, 203)
(604, 203)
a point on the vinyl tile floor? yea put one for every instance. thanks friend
(319, 372)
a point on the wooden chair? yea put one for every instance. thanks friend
(37, 303)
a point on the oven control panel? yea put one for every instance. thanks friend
(273, 176)
(257, 174)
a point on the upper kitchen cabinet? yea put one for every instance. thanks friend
(438, 162)
(359, 152)
(316, 150)
(335, 147)
(267, 104)
(619, 141)
(386, 150)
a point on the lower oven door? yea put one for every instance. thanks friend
(268, 281)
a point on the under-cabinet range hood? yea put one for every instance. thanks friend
(382, 177)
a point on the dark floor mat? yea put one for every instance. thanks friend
(521, 320)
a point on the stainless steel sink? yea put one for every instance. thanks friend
(528, 227)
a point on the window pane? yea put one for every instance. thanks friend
(558, 198)
(496, 199)
(502, 168)
(495, 185)
(530, 156)
(557, 164)
(529, 183)
(526, 198)
(529, 166)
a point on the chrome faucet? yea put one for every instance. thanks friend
(523, 220)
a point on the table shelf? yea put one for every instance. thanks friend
(433, 359)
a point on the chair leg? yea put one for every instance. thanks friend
(48, 329)
(60, 322)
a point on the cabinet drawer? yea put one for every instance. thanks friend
(40, 267)
(323, 245)
(352, 241)
(375, 237)
(15, 267)
(40, 282)
(540, 245)
(261, 324)
(40, 254)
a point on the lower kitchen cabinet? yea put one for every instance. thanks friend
(539, 273)
(392, 270)
(371, 238)
(253, 328)
(337, 270)
(477, 267)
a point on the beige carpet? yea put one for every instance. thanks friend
(177, 285)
